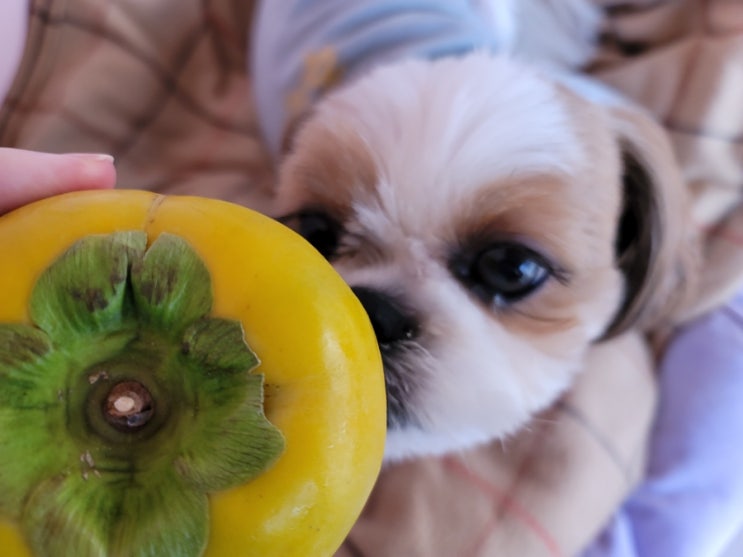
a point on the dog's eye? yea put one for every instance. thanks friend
(318, 229)
(503, 273)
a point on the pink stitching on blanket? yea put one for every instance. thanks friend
(510, 504)
(722, 231)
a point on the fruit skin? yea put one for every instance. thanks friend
(323, 372)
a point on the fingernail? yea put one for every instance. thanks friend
(101, 157)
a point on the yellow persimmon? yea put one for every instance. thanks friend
(129, 324)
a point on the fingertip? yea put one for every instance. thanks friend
(69, 172)
(27, 176)
(96, 171)
(95, 157)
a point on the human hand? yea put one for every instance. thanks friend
(27, 176)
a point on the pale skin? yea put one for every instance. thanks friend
(27, 176)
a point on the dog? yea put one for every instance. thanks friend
(496, 218)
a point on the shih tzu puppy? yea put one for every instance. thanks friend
(495, 219)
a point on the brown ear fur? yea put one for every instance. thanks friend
(657, 247)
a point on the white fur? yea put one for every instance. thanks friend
(435, 151)
(475, 390)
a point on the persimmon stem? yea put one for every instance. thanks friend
(129, 406)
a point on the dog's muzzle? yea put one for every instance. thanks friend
(396, 330)
(392, 324)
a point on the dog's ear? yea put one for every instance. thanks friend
(656, 242)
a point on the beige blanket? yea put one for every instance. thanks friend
(161, 84)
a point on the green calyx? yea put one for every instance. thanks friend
(125, 404)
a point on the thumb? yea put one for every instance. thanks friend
(27, 176)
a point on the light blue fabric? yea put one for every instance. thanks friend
(691, 503)
(362, 33)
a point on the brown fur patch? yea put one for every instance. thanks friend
(331, 167)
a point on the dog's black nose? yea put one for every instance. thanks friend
(391, 322)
